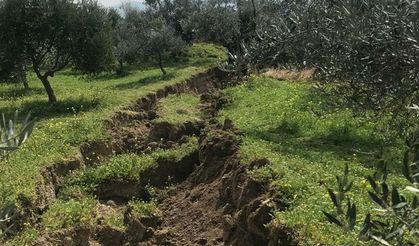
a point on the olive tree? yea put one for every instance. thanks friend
(127, 33)
(160, 42)
(53, 34)
(370, 48)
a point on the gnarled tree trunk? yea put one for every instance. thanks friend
(161, 65)
(44, 79)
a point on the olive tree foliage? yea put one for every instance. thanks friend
(126, 35)
(177, 14)
(12, 67)
(50, 35)
(160, 42)
(395, 218)
(217, 22)
(370, 47)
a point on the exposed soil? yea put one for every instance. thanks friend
(213, 200)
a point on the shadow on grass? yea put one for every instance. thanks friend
(144, 81)
(20, 92)
(42, 109)
(112, 75)
(340, 144)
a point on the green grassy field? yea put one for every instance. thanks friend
(287, 123)
(83, 104)
(284, 121)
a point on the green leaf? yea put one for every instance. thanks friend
(373, 184)
(406, 168)
(398, 232)
(351, 215)
(395, 197)
(333, 197)
(414, 202)
(385, 191)
(412, 189)
(377, 200)
(399, 205)
(332, 219)
(366, 226)
(348, 186)
(380, 240)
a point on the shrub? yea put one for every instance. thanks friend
(12, 136)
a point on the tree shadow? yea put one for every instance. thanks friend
(144, 81)
(288, 140)
(20, 92)
(113, 75)
(42, 109)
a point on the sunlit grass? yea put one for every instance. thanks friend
(308, 145)
(178, 108)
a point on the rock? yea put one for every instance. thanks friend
(258, 219)
(135, 230)
(109, 236)
(111, 203)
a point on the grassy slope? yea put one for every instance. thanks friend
(77, 117)
(278, 122)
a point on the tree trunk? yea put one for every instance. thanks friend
(25, 82)
(239, 61)
(48, 89)
(121, 67)
(47, 85)
(22, 77)
(161, 65)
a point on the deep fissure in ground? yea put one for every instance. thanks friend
(205, 198)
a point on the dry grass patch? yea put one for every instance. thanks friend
(293, 75)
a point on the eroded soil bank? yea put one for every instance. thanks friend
(212, 199)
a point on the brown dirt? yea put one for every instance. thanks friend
(219, 203)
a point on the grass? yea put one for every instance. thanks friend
(125, 167)
(178, 108)
(143, 209)
(287, 123)
(66, 214)
(83, 104)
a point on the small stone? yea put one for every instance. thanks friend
(111, 203)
